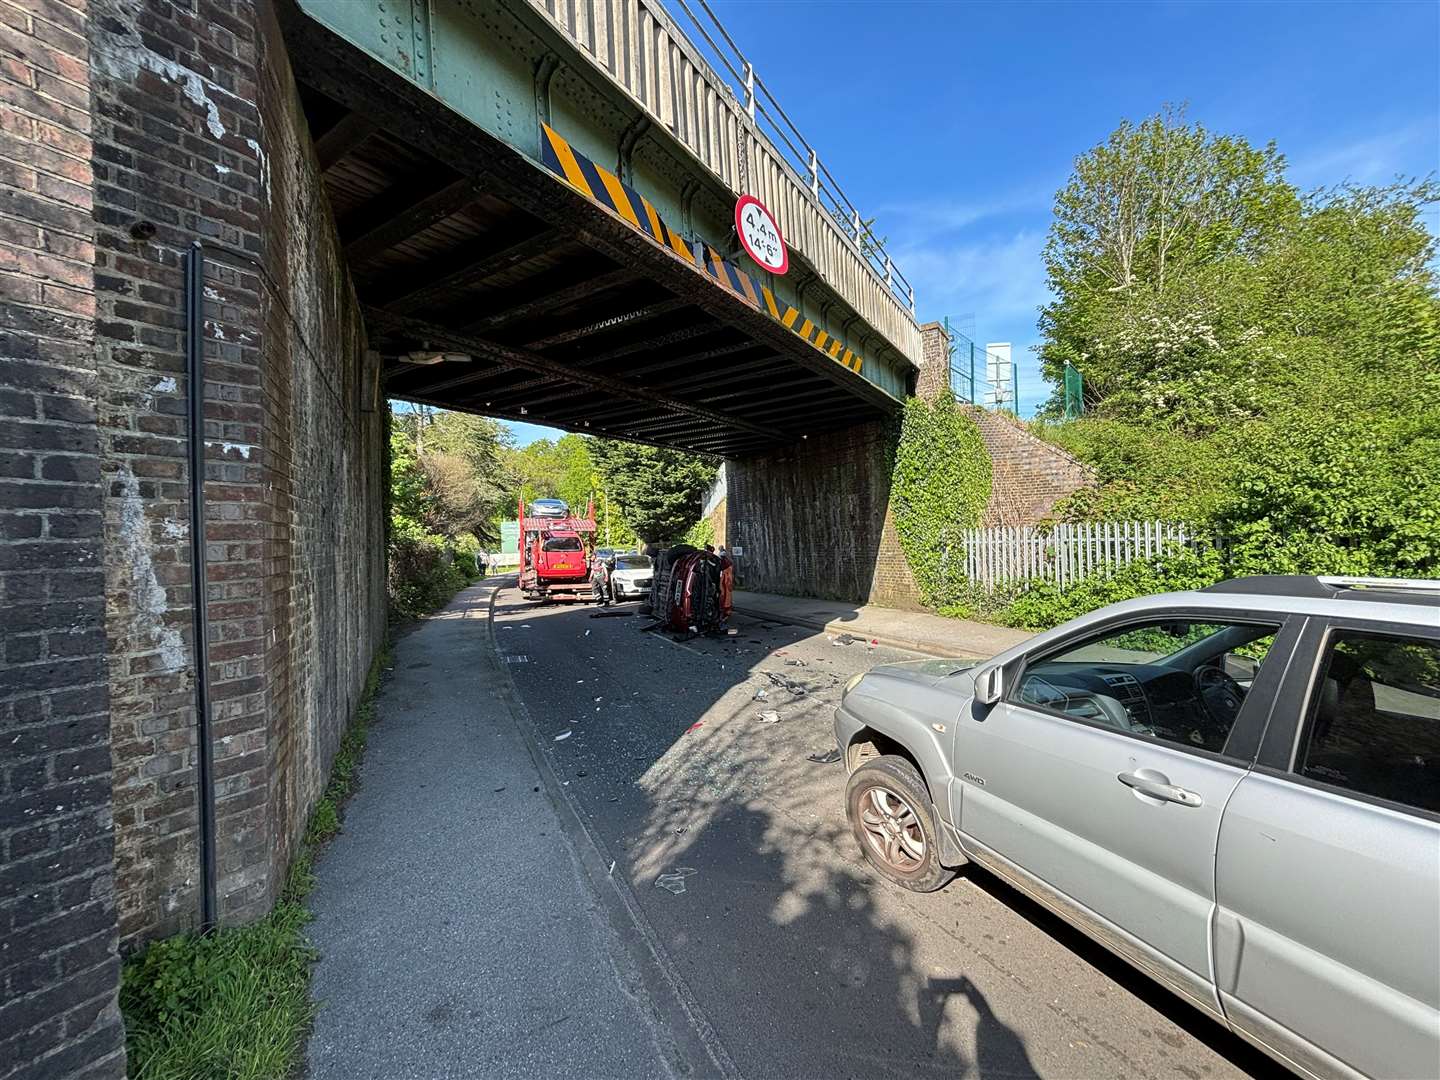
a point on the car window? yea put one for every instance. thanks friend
(1176, 681)
(632, 562)
(562, 543)
(1374, 723)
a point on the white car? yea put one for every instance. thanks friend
(630, 576)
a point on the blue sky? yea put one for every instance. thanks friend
(954, 124)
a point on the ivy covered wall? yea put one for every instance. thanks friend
(939, 488)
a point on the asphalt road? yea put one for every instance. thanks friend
(736, 848)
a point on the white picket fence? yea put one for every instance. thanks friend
(1064, 554)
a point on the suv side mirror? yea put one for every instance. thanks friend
(990, 685)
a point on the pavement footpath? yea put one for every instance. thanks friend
(916, 630)
(458, 932)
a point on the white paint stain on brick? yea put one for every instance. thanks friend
(174, 530)
(124, 56)
(243, 449)
(264, 165)
(148, 605)
(165, 386)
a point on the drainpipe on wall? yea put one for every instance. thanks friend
(195, 399)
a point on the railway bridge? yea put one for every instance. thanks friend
(232, 230)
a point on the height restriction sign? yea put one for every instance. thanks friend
(760, 236)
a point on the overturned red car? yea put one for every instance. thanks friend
(698, 599)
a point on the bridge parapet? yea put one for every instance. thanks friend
(742, 135)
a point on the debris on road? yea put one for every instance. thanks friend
(692, 727)
(674, 881)
(844, 639)
(769, 716)
(732, 632)
(794, 663)
(761, 694)
(563, 735)
(611, 615)
(825, 759)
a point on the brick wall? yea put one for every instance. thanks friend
(934, 377)
(324, 430)
(1028, 475)
(174, 99)
(199, 136)
(814, 520)
(59, 971)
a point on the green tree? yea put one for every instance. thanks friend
(1259, 360)
(658, 492)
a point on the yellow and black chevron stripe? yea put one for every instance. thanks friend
(604, 187)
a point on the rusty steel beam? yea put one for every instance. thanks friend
(509, 355)
(578, 428)
(614, 322)
(547, 302)
(466, 270)
(344, 136)
(389, 229)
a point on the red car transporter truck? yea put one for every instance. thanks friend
(554, 552)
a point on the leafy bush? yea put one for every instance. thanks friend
(1337, 493)
(939, 487)
(421, 577)
(700, 534)
(1041, 605)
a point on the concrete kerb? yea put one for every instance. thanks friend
(670, 1000)
(838, 627)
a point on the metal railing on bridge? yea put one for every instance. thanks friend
(737, 128)
(772, 119)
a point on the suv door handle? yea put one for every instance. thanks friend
(1158, 786)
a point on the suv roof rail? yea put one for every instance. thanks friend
(1407, 584)
(1328, 587)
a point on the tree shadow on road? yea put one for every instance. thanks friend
(803, 960)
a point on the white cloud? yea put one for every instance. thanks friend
(1001, 281)
(907, 219)
(1370, 160)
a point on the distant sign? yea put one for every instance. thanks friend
(760, 235)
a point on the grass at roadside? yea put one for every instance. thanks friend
(235, 1003)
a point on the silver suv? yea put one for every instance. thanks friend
(1237, 790)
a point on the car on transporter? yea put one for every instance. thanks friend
(1236, 789)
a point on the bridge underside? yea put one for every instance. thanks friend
(490, 286)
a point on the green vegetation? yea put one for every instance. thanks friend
(658, 493)
(700, 534)
(1261, 362)
(447, 490)
(940, 484)
(235, 1003)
